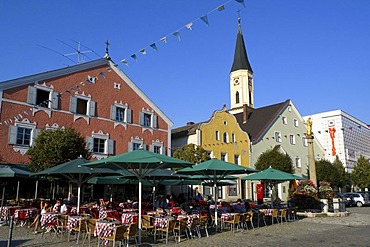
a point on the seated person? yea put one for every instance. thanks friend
(238, 207)
(56, 207)
(186, 206)
(225, 208)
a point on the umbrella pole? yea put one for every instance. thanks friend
(36, 187)
(3, 196)
(16, 198)
(215, 192)
(139, 223)
(153, 196)
(78, 198)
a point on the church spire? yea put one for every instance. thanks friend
(240, 55)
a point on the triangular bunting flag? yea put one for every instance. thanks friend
(124, 62)
(164, 39)
(82, 83)
(177, 35)
(241, 2)
(102, 75)
(154, 47)
(189, 26)
(205, 19)
(143, 51)
(134, 57)
(220, 8)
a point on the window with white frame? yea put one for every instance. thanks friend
(233, 190)
(277, 136)
(217, 133)
(233, 137)
(43, 96)
(23, 133)
(223, 156)
(292, 139)
(298, 162)
(284, 120)
(157, 147)
(304, 141)
(82, 105)
(148, 119)
(236, 159)
(225, 137)
(121, 113)
(295, 122)
(99, 143)
(136, 143)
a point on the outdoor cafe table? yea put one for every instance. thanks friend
(103, 213)
(104, 228)
(24, 214)
(162, 222)
(8, 210)
(74, 221)
(48, 218)
(189, 217)
(128, 218)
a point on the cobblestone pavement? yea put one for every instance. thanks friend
(352, 230)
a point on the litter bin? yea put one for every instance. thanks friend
(342, 206)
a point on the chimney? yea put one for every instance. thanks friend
(245, 113)
(189, 123)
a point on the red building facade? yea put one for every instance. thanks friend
(95, 98)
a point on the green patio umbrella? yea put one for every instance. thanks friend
(215, 170)
(76, 173)
(8, 171)
(141, 163)
(271, 177)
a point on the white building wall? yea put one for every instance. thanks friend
(351, 138)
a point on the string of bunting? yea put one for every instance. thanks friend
(90, 79)
(176, 33)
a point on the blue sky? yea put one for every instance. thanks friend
(315, 52)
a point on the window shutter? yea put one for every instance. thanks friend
(130, 146)
(90, 143)
(73, 104)
(154, 121)
(32, 94)
(35, 133)
(163, 150)
(12, 134)
(151, 148)
(113, 111)
(110, 146)
(92, 108)
(55, 100)
(144, 146)
(141, 118)
(129, 115)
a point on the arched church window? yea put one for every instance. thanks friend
(237, 100)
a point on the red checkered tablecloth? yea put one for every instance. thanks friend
(48, 218)
(161, 222)
(227, 216)
(190, 218)
(24, 214)
(128, 218)
(105, 229)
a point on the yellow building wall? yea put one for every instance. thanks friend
(236, 142)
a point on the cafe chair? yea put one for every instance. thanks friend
(194, 228)
(181, 226)
(274, 215)
(131, 232)
(118, 235)
(246, 218)
(203, 224)
(146, 224)
(283, 215)
(62, 224)
(80, 228)
(90, 228)
(167, 230)
(233, 222)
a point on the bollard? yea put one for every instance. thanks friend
(325, 206)
(336, 204)
(10, 231)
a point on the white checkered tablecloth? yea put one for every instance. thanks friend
(48, 218)
(73, 222)
(227, 216)
(24, 214)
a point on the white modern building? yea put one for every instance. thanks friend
(341, 135)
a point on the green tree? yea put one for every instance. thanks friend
(192, 153)
(361, 173)
(333, 173)
(56, 147)
(340, 180)
(276, 160)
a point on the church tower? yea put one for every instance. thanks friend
(241, 77)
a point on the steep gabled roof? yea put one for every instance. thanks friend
(53, 74)
(240, 56)
(260, 120)
(186, 130)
